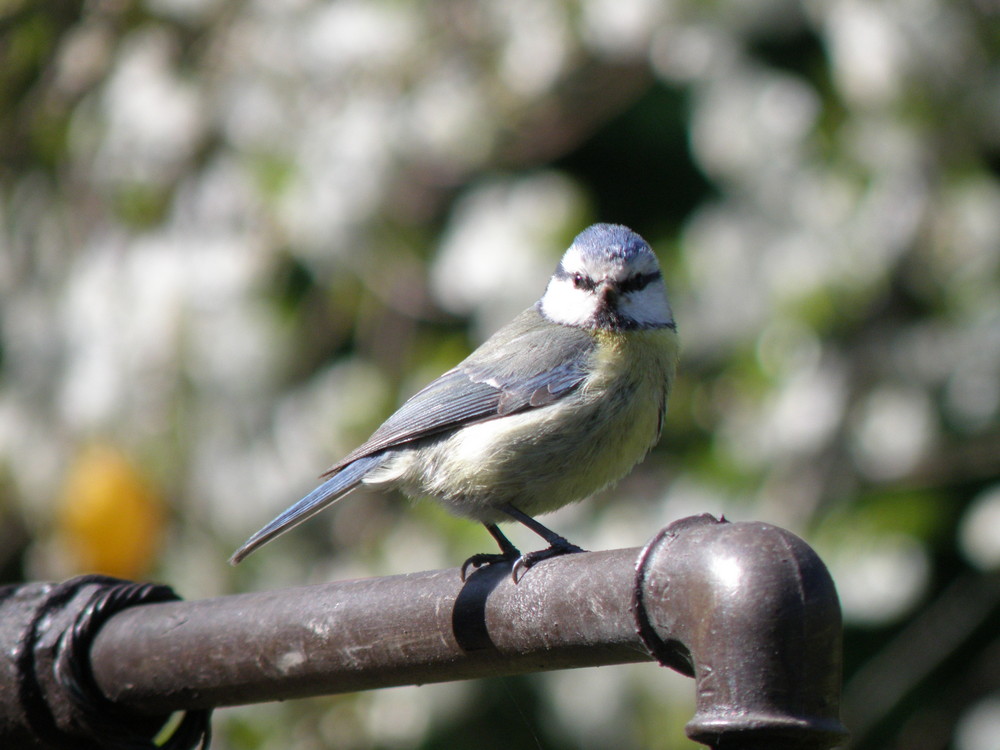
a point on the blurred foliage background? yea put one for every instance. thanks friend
(235, 235)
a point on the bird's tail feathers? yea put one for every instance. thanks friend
(325, 494)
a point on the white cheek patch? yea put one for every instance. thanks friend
(648, 307)
(564, 303)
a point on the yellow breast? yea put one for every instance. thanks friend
(633, 373)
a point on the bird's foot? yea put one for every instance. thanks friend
(526, 561)
(486, 558)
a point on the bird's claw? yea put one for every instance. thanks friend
(521, 561)
(529, 559)
(486, 558)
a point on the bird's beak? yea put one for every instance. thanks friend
(608, 292)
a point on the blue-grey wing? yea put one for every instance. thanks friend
(523, 366)
(328, 492)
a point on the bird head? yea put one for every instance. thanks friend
(608, 279)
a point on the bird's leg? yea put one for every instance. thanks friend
(508, 552)
(558, 545)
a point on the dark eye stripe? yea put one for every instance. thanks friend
(638, 282)
(634, 283)
(579, 280)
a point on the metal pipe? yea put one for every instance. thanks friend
(357, 635)
(747, 609)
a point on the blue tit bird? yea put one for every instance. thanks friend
(562, 401)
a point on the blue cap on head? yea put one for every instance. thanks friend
(611, 241)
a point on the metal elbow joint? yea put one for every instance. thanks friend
(749, 611)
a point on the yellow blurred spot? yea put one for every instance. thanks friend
(109, 518)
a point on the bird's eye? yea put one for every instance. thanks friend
(581, 282)
(639, 281)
